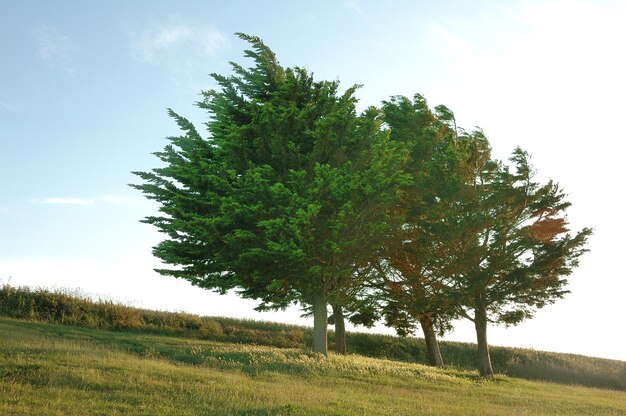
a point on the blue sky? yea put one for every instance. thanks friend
(84, 88)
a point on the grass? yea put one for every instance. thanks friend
(51, 369)
(70, 308)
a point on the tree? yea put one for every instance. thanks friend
(356, 306)
(514, 248)
(411, 275)
(287, 196)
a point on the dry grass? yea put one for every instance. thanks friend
(48, 369)
(70, 308)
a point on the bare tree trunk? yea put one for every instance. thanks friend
(320, 323)
(432, 345)
(484, 360)
(340, 330)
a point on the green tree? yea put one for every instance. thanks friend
(411, 276)
(514, 250)
(287, 196)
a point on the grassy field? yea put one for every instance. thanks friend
(51, 369)
(70, 308)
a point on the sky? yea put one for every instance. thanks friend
(85, 87)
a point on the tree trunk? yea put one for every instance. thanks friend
(320, 323)
(484, 360)
(340, 330)
(432, 345)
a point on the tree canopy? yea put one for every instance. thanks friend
(411, 287)
(514, 248)
(288, 195)
(294, 196)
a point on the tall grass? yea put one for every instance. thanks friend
(73, 308)
(70, 308)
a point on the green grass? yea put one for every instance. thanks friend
(51, 369)
(75, 309)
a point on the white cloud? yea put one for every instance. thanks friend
(183, 50)
(55, 49)
(116, 200)
(175, 42)
(64, 201)
(354, 6)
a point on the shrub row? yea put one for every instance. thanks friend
(72, 308)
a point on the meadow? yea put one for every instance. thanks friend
(63, 353)
(52, 369)
(75, 309)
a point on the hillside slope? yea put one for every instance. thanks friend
(49, 369)
(70, 308)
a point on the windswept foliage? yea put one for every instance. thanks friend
(286, 198)
(515, 249)
(412, 285)
(393, 214)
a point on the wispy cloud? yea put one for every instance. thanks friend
(117, 200)
(175, 42)
(354, 6)
(182, 49)
(55, 49)
(64, 201)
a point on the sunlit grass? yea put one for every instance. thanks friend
(48, 369)
(70, 308)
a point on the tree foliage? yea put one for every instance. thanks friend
(288, 195)
(413, 287)
(295, 197)
(514, 249)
